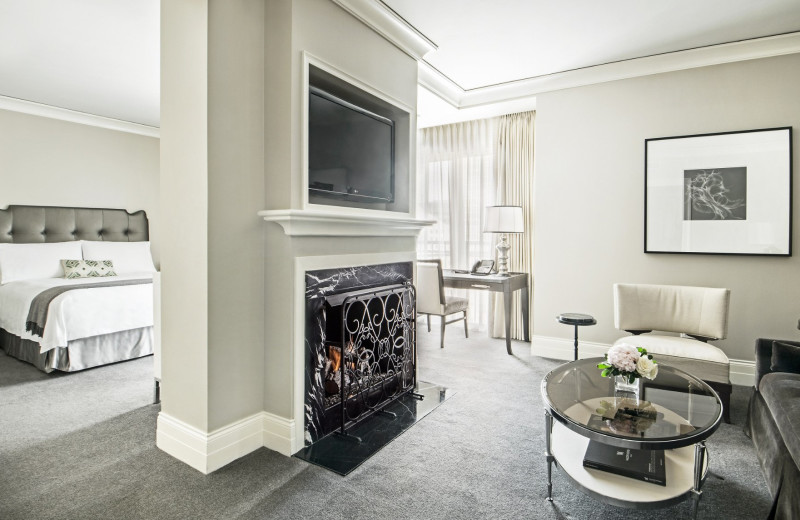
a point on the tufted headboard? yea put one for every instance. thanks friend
(33, 224)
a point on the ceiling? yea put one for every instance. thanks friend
(484, 43)
(506, 45)
(101, 57)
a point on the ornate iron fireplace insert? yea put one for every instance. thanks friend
(325, 335)
(375, 361)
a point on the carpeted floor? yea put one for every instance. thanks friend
(82, 446)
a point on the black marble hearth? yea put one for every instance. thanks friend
(322, 284)
(342, 455)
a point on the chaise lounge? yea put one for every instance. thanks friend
(686, 319)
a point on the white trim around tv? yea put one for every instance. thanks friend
(311, 60)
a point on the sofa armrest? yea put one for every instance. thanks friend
(764, 356)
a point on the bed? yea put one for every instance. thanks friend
(70, 324)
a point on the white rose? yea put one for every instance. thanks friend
(646, 368)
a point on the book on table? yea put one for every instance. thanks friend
(646, 465)
(634, 423)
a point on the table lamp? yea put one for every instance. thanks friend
(503, 220)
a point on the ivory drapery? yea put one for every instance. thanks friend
(455, 183)
(461, 169)
(513, 169)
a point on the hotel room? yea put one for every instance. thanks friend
(199, 113)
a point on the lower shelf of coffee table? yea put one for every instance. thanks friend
(569, 447)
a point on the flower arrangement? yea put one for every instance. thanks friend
(629, 362)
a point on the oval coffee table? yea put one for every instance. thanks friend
(682, 412)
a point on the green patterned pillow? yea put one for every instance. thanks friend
(87, 268)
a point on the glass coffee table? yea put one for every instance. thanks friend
(675, 412)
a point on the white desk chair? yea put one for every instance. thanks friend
(699, 314)
(432, 300)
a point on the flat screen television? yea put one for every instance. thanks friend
(350, 150)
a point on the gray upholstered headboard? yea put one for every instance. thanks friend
(32, 224)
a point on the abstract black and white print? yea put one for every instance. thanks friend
(715, 194)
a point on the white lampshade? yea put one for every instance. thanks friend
(503, 219)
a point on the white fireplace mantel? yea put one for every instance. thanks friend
(297, 222)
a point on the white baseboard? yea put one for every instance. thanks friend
(742, 370)
(278, 434)
(207, 452)
(184, 442)
(560, 348)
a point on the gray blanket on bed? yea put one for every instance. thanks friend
(37, 314)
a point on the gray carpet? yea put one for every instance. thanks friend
(82, 446)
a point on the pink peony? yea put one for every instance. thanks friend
(624, 357)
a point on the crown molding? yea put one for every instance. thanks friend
(388, 24)
(63, 114)
(439, 84)
(449, 91)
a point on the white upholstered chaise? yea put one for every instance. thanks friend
(698, 314)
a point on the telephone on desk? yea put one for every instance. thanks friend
(482, 267)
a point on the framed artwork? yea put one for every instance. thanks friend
(725, 193)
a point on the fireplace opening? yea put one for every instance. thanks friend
(373, 362)
(360, 361)
(360, 344)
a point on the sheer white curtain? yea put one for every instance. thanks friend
(455, 183)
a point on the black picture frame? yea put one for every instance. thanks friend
(725, 193)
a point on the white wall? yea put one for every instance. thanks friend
(48, 162)
(330, 34)
(589, 186)
(236, 194)
(232, 88)
(184, 208)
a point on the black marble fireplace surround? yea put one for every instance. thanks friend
(321, 417)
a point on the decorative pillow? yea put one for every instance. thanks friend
(35, 261)
(128, 257)
(87, 268)
(785, 357)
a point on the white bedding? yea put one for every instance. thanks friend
(77, 314)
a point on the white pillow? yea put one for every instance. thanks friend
(34, 261)
(128, 257)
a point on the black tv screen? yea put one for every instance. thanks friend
(350, 150)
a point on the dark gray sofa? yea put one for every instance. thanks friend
(773, 423)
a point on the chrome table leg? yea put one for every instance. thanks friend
(699, 458)
(548, 428)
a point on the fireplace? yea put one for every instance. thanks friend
(360, 344)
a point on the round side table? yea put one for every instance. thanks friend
(578, 320)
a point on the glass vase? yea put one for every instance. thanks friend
(625, 390)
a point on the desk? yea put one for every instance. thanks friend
(504, 284)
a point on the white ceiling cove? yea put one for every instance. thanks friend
(483, 43)
(101, 57)
(508, 50)
(98, 57)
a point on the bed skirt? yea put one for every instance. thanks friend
(82, 353)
